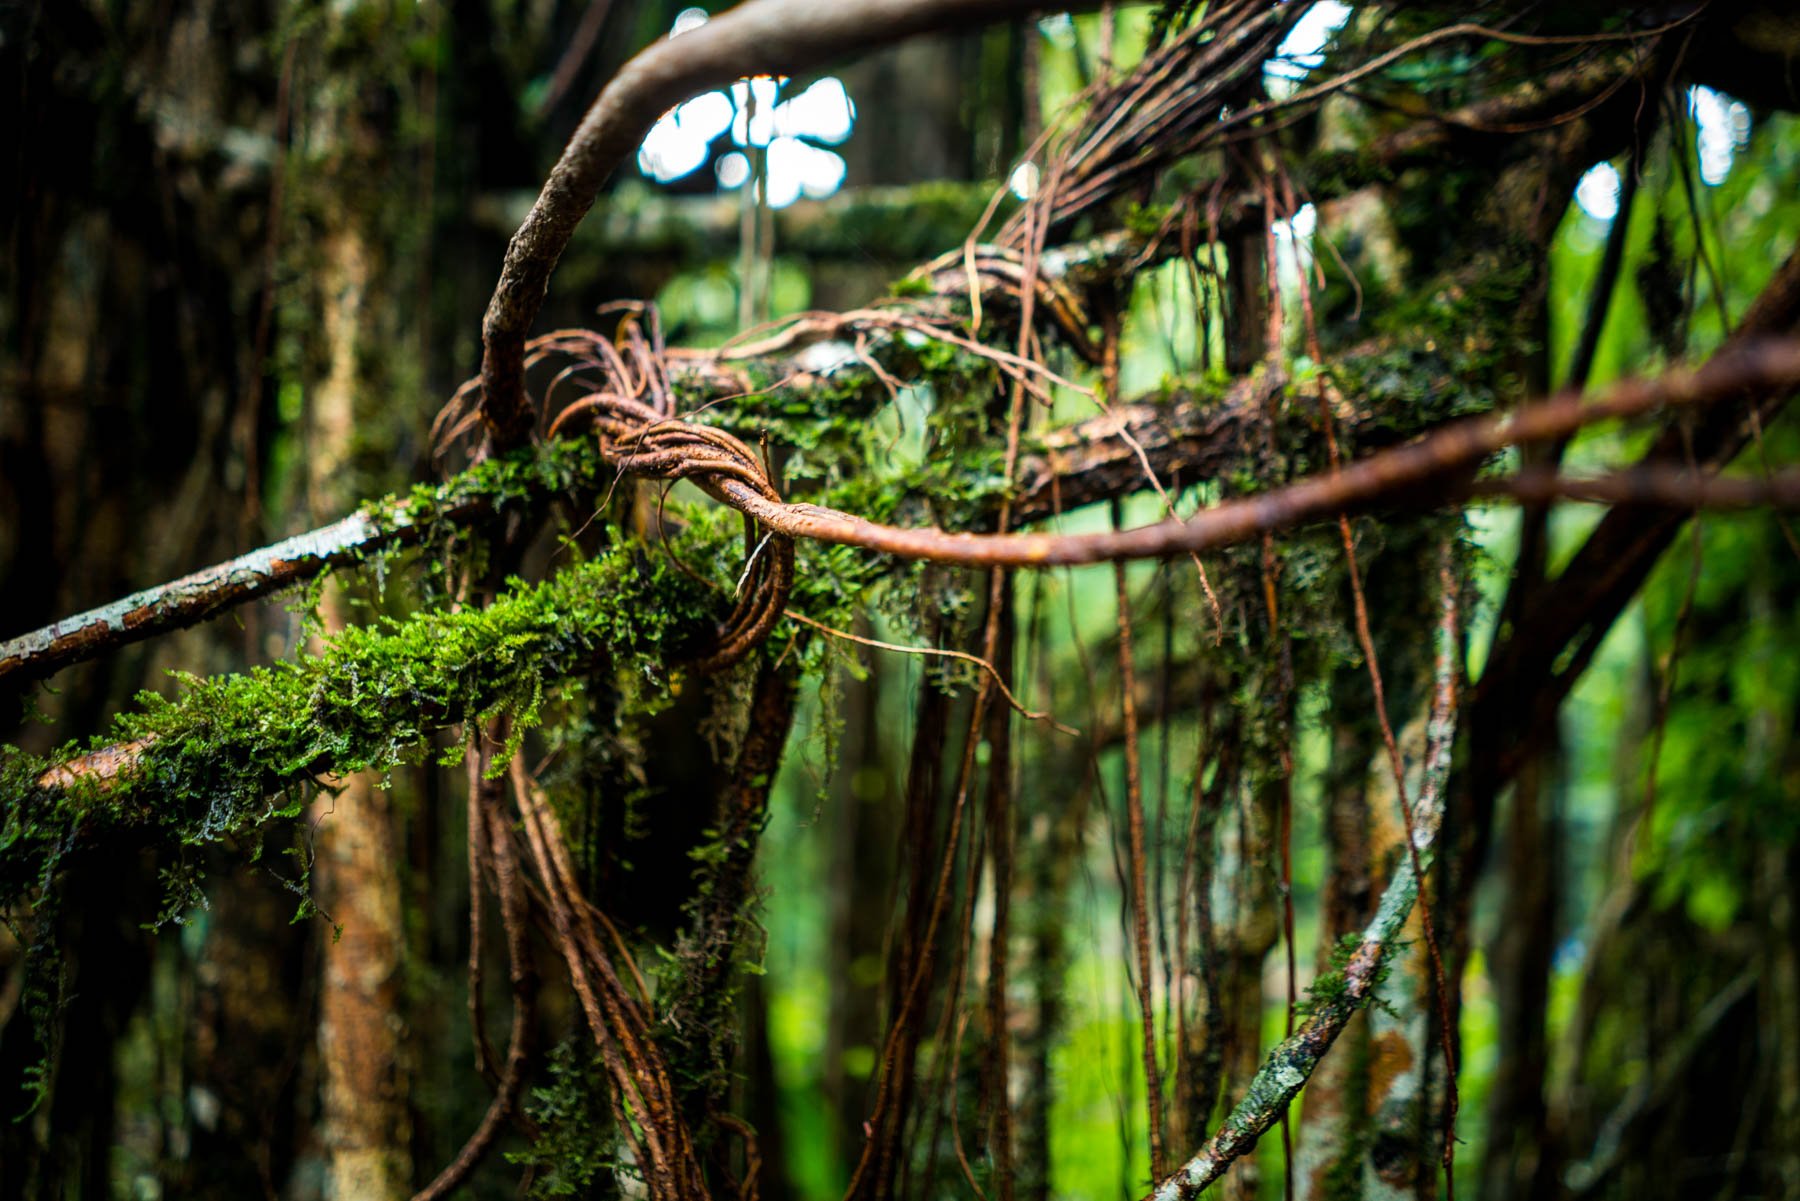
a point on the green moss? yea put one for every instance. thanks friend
(1330, 990)
(931, 457)
(914, 285)
(501, 485)
(845, 424)
(226, 757)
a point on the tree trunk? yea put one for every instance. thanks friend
(365, 1120)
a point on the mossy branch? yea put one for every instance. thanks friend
(1431, 469)
(212, 763)
(496, 487)
(1178, 434)
(1064, 272)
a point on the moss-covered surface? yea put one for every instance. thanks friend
(228, 756)
(499, 485)
(1453, 348)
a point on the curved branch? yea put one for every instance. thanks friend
(1190, 439)
(761, 36)
(524, 988)
(1435, 460)
(1071, 466)
(793, 35)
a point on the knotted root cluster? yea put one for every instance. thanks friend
(631, 407)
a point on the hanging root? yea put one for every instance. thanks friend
(643, 1096)
(491, 845)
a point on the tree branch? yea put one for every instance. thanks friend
(481, 492)
(1181, 433)
(194, 598)
(1288, 1067)
(1662, 485)
(1188, 439)
(1076, 465)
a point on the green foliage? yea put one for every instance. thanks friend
(1724, 775)
(577, 1143)
(847, 431)
(928, 456)
(913, 286)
